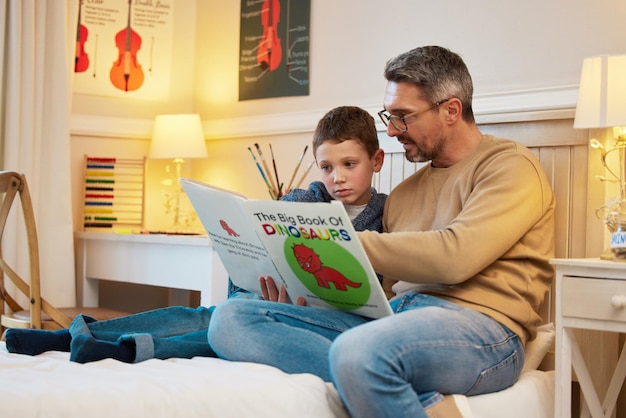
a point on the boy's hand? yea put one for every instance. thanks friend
(271, 292)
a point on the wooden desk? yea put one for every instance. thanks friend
(172, 261)
(590, 295)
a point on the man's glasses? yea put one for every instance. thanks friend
(399, 122)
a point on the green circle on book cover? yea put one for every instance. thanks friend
(329, 271)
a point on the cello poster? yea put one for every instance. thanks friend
(274, 48)
(124, 48)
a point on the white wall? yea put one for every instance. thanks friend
(508, 45)
(525, 57)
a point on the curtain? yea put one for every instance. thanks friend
(35, 99)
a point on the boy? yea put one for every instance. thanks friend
(347, 152)
(346, 149)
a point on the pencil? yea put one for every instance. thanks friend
(267, 170)
(269, 188)
(305, 174)
(297, 168)
(280, 185)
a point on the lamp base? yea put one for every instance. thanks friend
(177, 206)
(607, 254)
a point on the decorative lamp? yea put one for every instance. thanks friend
(177, 137)
(602, 104)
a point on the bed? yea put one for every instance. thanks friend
(49, 385)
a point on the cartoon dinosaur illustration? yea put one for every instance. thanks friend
(310, 262)
(228, 229)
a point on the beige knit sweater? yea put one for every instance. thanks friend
(479, 233)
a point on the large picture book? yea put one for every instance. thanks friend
(310, 248)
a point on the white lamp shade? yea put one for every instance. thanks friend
(602, 93)
(178, 136)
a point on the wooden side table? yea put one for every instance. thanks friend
(591, 295)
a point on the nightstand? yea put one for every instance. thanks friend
(591, 295)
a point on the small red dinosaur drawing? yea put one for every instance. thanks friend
(310, 262)
(228, 229)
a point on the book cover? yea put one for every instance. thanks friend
(311, 248)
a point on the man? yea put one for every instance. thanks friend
(465, 249)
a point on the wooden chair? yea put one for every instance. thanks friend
(40, 314)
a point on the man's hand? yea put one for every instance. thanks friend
(271, 292)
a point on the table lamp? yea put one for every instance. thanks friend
(177, 137)
(602, 104)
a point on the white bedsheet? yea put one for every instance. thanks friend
(49, 385)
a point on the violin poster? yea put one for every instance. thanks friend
(124, 48)
(274, 48)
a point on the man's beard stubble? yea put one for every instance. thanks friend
(417, 156)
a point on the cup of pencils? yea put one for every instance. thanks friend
(275, 187)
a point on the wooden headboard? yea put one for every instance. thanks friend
(563, 153)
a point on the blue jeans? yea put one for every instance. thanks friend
(395, 366)
(163, 333)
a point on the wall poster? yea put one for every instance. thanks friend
(124, 48)
(274, 48)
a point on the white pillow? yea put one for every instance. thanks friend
(536, 349)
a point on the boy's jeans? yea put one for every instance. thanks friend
(161, 333)
(395, 366)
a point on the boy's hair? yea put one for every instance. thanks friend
(347, 122)
(438, 72)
